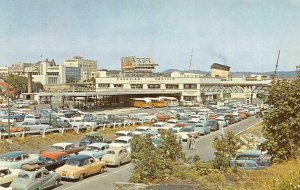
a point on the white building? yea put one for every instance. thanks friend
(193, 87)
(50, 73)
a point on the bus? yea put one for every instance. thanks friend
(169, 101)
(157, 102)
(140, 103)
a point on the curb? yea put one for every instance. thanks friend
(247, 128)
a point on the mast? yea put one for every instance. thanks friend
(277, 64)
(190, 65)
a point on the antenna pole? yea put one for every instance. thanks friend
(190, 65)
(277, 64)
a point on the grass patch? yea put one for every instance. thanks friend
(256, 130)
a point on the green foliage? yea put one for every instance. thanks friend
(282, 121)
(169, 148)
(226, 148)
(37, 86)
(154, 164)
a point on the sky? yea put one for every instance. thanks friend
(243, 34)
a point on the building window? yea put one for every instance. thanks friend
(153, 86)
(139, 86)
(52, 80)
(105, 85)
(172, 86)
(118, 85)
(190, 98)
(190, 86)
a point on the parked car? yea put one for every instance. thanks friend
(56, 122)
(39, 179)
(122, 133)
(188, 130)
(66, 147)
(256, 155)
(48, 160)
(213, 124)
(23, 105)
(140, 130)
(245, 165)
(16, 159)
(35, 126)
(93, 137)
(116, 156)
(96, 150)
(202, 129)
(7, 175)
(123, 141)
(80, 166)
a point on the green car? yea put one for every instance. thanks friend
(39, 179)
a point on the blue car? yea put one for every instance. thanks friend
(255, 155)
(202, 129)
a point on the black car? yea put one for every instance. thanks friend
(92, 139)
(213, 124)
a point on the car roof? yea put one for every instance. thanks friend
(52, 155)
(62, 144)
(3, 168)
(250, 152)
(14, 154)
(32, 173)
(124, 138)
(80, 157)
(99, 145)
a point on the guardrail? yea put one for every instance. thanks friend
(76, 129)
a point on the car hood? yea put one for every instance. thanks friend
(68, 169)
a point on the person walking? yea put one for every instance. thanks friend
(193, 143)
(188, 142)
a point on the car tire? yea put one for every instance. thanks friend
(81, 177)
(57, 183)
(101, 170)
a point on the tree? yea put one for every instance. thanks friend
(18, 83)
(37, 86)
(282, 121)
(226, 148)
(169, 148)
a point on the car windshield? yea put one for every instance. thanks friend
(58, 148)
(121, 141)
(110, 152)
(86, 140)
(171, 122)
(186, 130)
(211, 123)
(23, 175)
(142, 130)
(90, 148)
(199, 126)
(120, 134)
(72, 162)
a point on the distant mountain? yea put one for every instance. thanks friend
(280, 74)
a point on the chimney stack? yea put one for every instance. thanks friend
(29, 82)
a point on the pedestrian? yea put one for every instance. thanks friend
(193, 143)
(188, 142)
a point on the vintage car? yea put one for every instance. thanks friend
(39, 179)
(122, 133)
(80, 166)
(116, 156)
(213, 124)
(48, 160)
(202, 129)
(66, 147)
(35, 126)
(96, 150)
(256, 155)
(245, 165)
(140, 130)
(92, 137)
(16, 159)
(122, 142)
(7, 176)
(188, 130)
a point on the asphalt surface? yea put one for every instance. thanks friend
(106, 180)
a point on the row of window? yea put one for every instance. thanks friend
(150, 86)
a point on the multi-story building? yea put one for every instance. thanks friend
(137, 65)
(22, 69)
(3, 70)
(86, 66)
(50, 73)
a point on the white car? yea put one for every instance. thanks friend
(16, 159)
(172, 122)
(30, 117)
(23, 105)
(185, 131)
(76, 122)
(124, 141)
(159, 126)
(140, 130)
(122, 133)
(7, 176)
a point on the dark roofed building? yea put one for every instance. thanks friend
(220, 67)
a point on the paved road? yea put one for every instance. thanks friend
(203, 149)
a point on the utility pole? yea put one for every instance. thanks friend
(8, 120)
(190, 65)
(277, 64)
